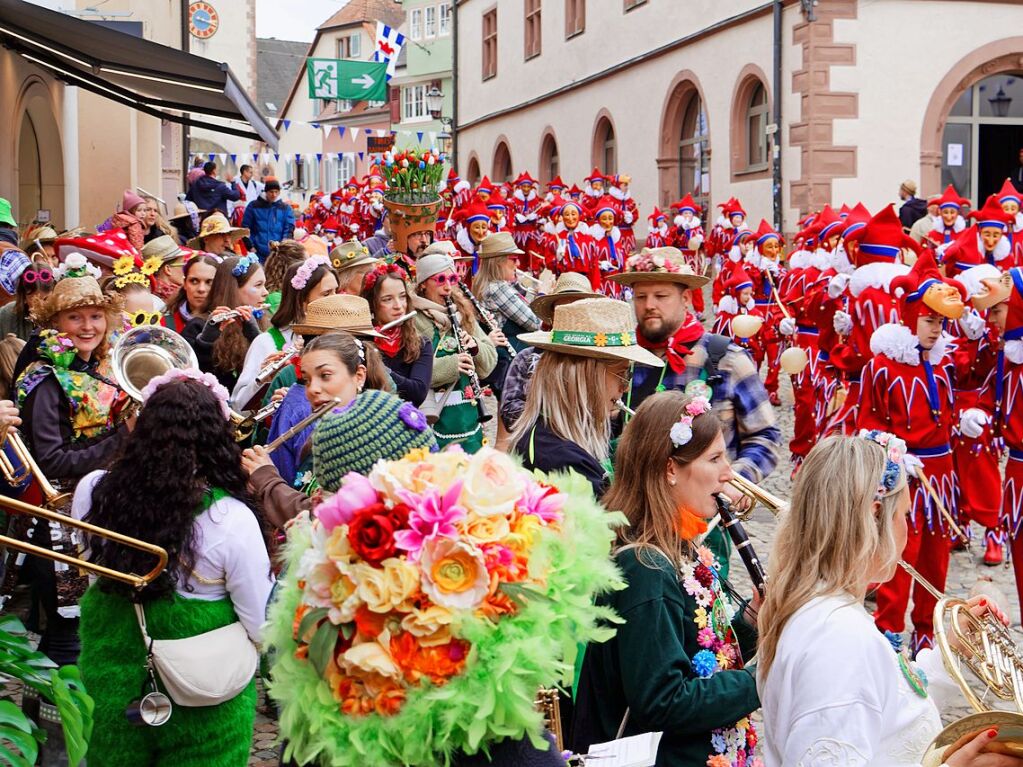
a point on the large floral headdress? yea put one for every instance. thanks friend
(424, 604)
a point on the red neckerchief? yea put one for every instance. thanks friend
(679, 346)
(390, 344)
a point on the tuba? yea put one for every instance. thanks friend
(143, 353)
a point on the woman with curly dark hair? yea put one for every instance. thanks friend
(407, 354)
(198, 509)
(221, 346)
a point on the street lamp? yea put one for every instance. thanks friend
(1000, 103)
(434, 101)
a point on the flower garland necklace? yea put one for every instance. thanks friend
(733, 746)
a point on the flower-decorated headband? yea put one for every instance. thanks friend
(305, 271)
(126, 273)
(384, 270)
(682, 432)
(362, 349)
(895, 453)
(206, 379)
(244, 264)
(76, 265)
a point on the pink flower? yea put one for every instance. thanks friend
(543, 502)
(355, 494)
(706, 637)
(433, 516)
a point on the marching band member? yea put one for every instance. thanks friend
(582, 373)
(907, 389)
(457, 359)
(833, 689)
(407, 355)
(197, 508)
(192, 299)
(676, 663)
(239, 285)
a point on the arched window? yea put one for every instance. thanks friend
(693, 154)
(605, 151)
(502, 164)
(549, 162)
(756, 128)
(473, 174)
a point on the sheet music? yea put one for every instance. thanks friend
(636, 751)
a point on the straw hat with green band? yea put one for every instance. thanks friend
(594, 327)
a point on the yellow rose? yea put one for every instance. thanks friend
(482, 530)
(492, 484)
(524, 532)
(436, 471)
(403, 582)
(387, 588)
(432, 626)
(454, 574)
(372, 658)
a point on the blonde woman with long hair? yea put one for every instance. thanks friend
(834, 689)
(675, 664)
(583, 372)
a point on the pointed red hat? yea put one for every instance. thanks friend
(733, 208)
(485, 186)
(687, 203)
(882, 239)
(918, 300)
(657, 215)
(1014, 320)
(525, 178)
(475, 211)
(452, 176)
(857, 219)
(949, 199)
(595, 175)
(556, 183)
(496, 202)
(1008, 193)
(766, 232)
(991, 215)
(605, 204)
(575, 191)
(738, 280)
(827, 223)
(552, 208)
(844, 211)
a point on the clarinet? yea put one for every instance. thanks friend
(486, 318)
(474, 379)
(737, 533)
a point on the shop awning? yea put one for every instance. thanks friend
(160, 81)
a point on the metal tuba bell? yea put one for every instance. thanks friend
(143, 353)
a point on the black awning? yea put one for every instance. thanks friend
(160, 81)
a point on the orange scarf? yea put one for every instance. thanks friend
(690, 525)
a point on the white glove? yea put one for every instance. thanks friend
(354, 227)
(912, 463)
(843, 323)
(973, 326)
(787, 326)
(605, 266)
(972, 422)
(837, 285)
(628, 217)
(520, 219)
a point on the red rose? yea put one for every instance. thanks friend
(704, 576)
(371, 531)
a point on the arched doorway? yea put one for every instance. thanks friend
(549, 160)
(605, 147)
(973, 126)
(502, 163)
(473, 174)
(684, 147)
(40, 158)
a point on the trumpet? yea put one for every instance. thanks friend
(257, 312)
(758, 496)
(245, 423)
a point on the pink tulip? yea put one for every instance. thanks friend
(355, 494)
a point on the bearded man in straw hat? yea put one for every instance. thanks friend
(696, 361)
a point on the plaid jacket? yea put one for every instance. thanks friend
(740, 402)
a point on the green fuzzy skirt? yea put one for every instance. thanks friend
(113, 668)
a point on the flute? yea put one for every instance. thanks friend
(624, 408)
(474, 379)
(268, 372)
(742, 543)
(486, 318)
(395, 323)
(257, 312)
(316, 415)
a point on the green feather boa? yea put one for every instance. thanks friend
(493, 698)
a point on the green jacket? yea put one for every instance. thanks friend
(646, 668)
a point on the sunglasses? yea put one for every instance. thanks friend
(444, 279)
(138, 319)
(32, 276)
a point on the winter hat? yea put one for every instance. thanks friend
(927, 292)
(272, 184)
(908, 186)
(433, 264)
(375, 426)
(130, 200)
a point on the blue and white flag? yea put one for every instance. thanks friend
(389, 45)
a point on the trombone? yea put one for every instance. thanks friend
(29, 468)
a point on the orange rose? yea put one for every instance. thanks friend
(454, 573)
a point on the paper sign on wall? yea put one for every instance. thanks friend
(954, 155)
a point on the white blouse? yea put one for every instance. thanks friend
(262, 346)
(835, 693)
(231, 556)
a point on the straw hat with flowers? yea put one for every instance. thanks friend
(76, 287)
(337, 312)
(659, 265)
(217, 224)
(351, 254)
(594, 327)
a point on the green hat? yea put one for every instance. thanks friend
(6, 214)
(375, 425)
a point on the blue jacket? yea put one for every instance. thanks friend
(268, 222)
(210, 194)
